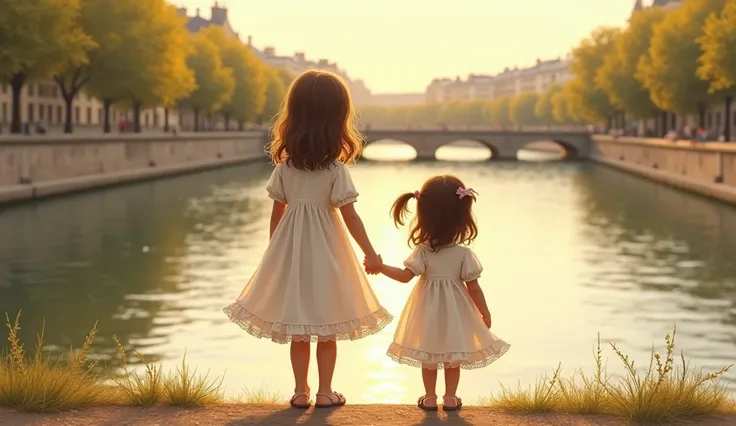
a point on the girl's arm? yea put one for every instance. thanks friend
(476, 293)
(277, 212)
(355, 226)
(396, 274)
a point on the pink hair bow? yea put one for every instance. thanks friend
(465, 192)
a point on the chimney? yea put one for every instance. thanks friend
(250, 40)
(324, 63)
(299, 56)
(269, 51)
(219, 14)
(197, 13)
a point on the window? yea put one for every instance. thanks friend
(58, 114)
(99, 115)
(4, 117)
(146, 119)
(718, 119)
(31, 111)
(76, 115)
(31, 90)
(41, 110)
(49, 114)
(89, 115)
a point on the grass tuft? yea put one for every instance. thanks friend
(187, 389)
(37, 383)
(663, 392)
(261, 396)
(135, 389)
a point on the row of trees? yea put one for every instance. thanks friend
(134, 54)
(527, 109)
(664, 63)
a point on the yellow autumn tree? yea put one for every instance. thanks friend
(275, 91)
(544, 109)
(214, 81)
(717, 64)
(249, 93)
(38, 38)
(522, 109)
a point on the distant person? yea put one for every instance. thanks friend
(310, 286)
(446, 321)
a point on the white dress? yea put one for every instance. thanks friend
(310, 286)
(440, 323)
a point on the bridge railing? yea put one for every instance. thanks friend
(541, 129)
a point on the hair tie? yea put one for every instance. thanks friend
(465, 192)
(416, 194)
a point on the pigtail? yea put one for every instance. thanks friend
(400, 208)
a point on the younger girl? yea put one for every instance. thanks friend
(445, 322)
(310, 286)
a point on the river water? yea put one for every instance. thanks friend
(570, 250)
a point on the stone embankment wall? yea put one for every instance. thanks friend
(708, 169)
(34, 167)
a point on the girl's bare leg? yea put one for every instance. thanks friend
(326, 359)
(300, 366)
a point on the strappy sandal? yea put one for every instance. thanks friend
(421, 403)
(300, 406)
(339, 403)
(457, 406)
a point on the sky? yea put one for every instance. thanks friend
(399, 46)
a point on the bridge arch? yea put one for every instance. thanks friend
(381, 149)
(567, 151)
(465, 143)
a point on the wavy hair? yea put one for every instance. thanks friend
(316, 125)
(442, 218)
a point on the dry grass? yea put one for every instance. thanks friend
(662, 392)
(668, 390)
(37, 383)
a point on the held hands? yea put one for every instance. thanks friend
(372, 264)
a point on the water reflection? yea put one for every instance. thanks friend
(569, 249)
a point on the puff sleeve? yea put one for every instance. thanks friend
(417, 261)
(471, 267)
(275, 186)
(343, 190)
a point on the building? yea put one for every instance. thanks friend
(396, 99)
(509, 82)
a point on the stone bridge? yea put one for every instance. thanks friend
(503, 144)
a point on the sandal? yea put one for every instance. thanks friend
(421, 403)
(339, 403)
(301, 406)
(457, 406)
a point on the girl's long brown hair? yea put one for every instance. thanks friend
(316, 125)
(442, 218)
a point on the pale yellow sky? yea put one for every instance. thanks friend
(400, 45)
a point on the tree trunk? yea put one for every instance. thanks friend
(166, 120)
(17, 82)
(106, 105)
(702, 108)
(664, 122)
(227, 121)
(196, 119)
(68, 121)
(136, 117)
(727, 119)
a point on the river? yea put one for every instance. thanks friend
(570, 250)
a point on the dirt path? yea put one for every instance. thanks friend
(353, 415)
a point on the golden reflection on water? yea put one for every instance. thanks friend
(569, 250)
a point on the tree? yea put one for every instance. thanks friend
(561, 110)
(37, 39)
(587, 100)
(522, 109)
(544, 109)
(143, 59)
(617, 75)
(215, 82)
(718, 61)
(670, 69)
(275, 91)
(251, 79)
(499, 111)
